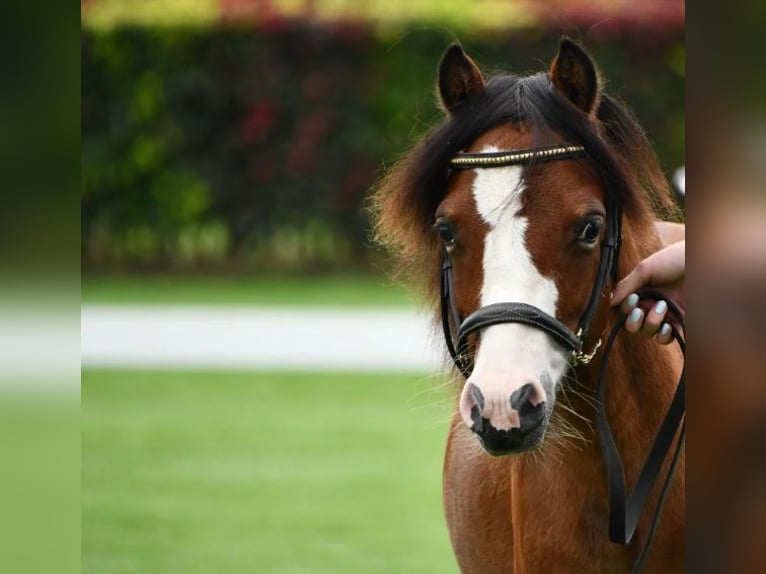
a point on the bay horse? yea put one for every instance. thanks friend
(517, 214)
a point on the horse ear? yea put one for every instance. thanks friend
(459, 78)
(574, 75)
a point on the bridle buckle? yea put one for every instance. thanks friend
(580, 357)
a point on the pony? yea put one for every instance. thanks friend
(515, 196)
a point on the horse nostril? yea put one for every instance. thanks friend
(477, 396)
(477, 408)
(526, 395)
(529, 402)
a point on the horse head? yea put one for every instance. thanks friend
(518, 199)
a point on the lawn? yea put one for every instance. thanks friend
(262, 472)
(319, 290)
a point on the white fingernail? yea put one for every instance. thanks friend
(660, 307)
(635, 315)
(665, 330)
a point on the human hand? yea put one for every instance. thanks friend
(670, 232)
(664, 271)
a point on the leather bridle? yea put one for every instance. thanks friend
(624, 510)
(497, 313)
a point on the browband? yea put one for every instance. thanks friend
(523, 156)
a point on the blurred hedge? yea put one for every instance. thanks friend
(246, 147)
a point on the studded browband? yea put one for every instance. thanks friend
(524, 156)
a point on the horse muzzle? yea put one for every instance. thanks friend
(506, 424)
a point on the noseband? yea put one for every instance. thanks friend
(514, 312)
(624, 510)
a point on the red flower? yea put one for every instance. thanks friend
(261, 118)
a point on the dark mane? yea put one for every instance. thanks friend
(404, 204)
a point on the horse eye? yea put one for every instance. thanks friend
(446, 233)
(590, 232)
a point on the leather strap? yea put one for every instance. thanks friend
(497, 313)
(448, 306)
(607, 267)
(516, 157)
(625, 510)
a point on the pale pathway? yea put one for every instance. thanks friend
(231, 337)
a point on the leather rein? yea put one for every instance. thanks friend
(625, 509)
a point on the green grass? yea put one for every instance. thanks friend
(334, 290)
(258, 472)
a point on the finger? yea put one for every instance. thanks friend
(629, 303)
(654, 319)
(665, 335)
(630, 283)
(670, 232)
(633, 322)
(663, 268)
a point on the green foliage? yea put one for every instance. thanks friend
(457, 14)
(262, 472)
(256, 147)
(108, 14)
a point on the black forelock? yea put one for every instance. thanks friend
(404, 204)
(534, 102)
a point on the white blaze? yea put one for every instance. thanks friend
(512, 354)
